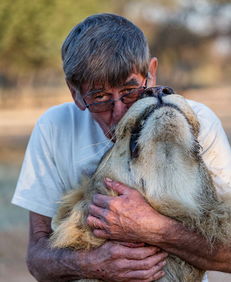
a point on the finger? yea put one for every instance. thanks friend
(101, 200)
(155, 277)
(132, 245)
(156, 261)
(134, 253)
(95, 222)
(118, 187)
(101, 233)
(158, 275)
(146, 275)
(97, 211)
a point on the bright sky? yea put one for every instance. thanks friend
(198, 15)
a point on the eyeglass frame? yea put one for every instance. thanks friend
(112, 101)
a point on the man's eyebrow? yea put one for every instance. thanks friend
(94, 91)
(131, 82)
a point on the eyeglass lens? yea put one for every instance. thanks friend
(128, 98)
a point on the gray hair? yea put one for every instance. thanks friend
(104, 48)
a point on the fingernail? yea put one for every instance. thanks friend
(108, 180)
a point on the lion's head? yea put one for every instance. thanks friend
(156, 146)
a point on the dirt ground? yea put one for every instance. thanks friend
(15, 127)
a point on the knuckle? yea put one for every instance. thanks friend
(91, 206)
(105, 213)
(113, 202)
(118, 184)
(139, 256)
(94, 198)
(108, 206)
(150, 252)
(134, 192)
(147, 264)
(146, 275)
(158, 275)
(114, 253)
(88, 220)
(143, 254)
(155, 269)
(118, 264)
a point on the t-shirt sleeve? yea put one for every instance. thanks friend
(216, 151)
(39, 186)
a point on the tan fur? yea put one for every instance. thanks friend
(168, 171)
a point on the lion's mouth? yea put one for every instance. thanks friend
(142, 120)
(158, 92)
(136, 130)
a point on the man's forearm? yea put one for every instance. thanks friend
(112, 261)
(47, 264)
(193, 247)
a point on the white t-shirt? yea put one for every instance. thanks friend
(67, 143)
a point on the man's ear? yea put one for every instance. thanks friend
(153, 65)
(75, 95)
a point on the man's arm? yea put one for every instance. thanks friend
(129, 217)
(111, 262)
(195, 249)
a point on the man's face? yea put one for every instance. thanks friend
(109, 119)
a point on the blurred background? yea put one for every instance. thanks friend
(192, 40)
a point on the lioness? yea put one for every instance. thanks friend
(156, 152)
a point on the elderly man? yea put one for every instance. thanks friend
(106, 62)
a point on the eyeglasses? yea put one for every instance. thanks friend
(102, 102)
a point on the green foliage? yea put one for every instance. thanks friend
(31, 32)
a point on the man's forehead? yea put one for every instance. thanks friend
(132, 80)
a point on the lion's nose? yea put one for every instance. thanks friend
(149, 92)
(166, 91)
(157, 91)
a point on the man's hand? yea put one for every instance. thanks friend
(117, 262)
(112, 261)
(126, 217)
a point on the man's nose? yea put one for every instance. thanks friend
(119, 110)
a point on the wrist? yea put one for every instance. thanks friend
(81, 259)
(159, 230)
(87, 264)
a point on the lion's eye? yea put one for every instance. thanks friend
(133, 146)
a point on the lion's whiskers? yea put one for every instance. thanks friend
(107, 145)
